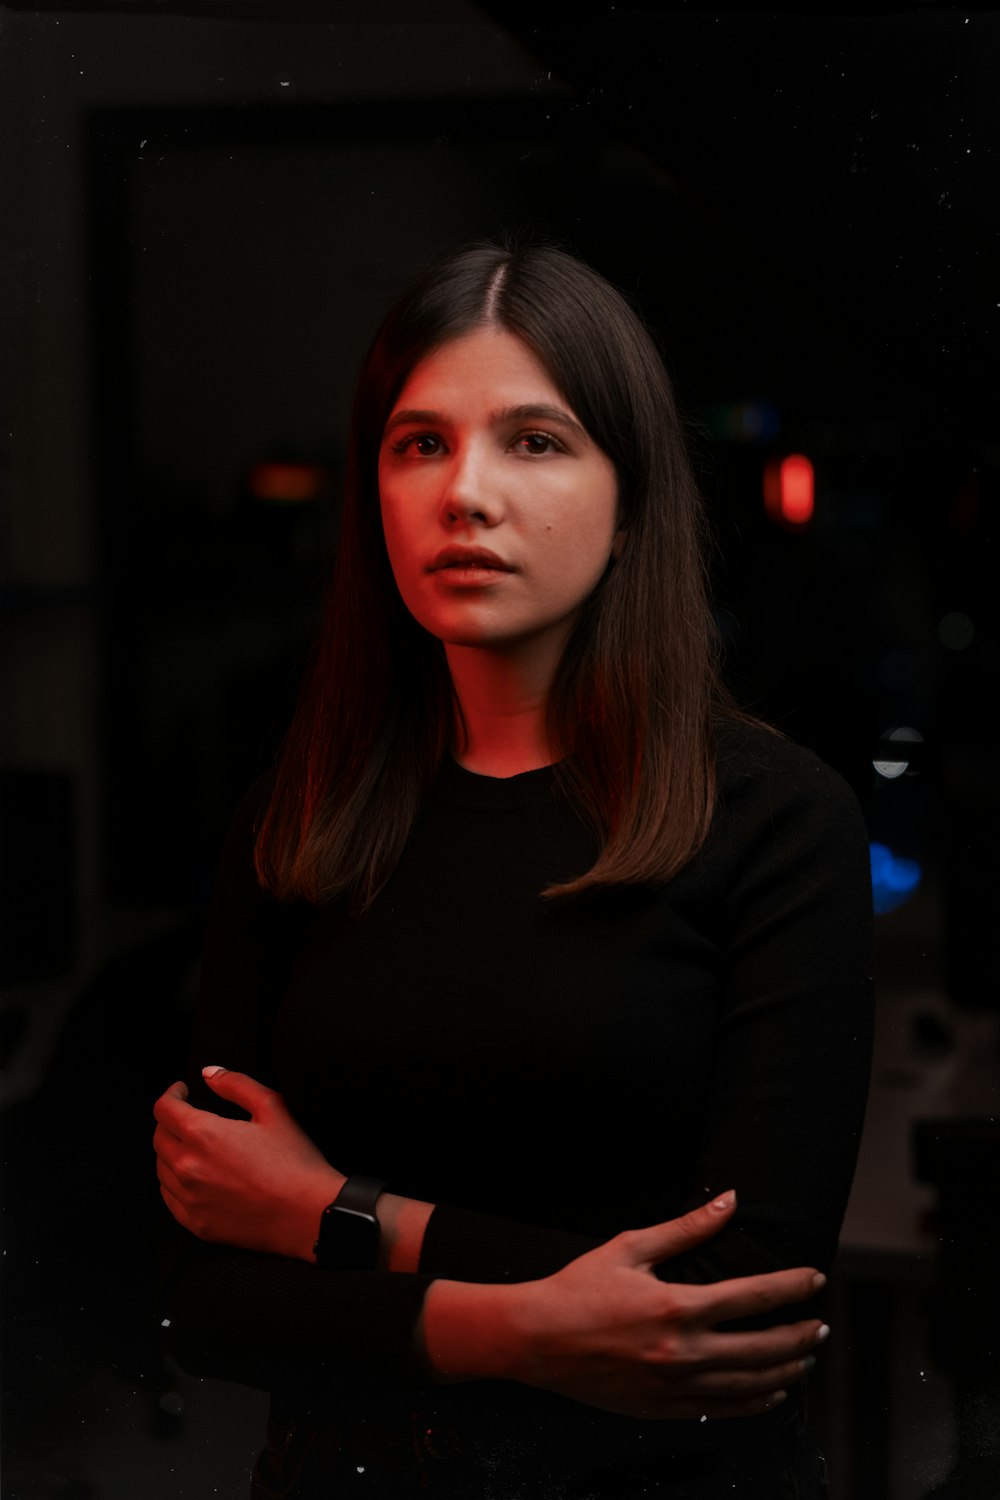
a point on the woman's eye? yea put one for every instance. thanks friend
(537, 443)
(424, 444)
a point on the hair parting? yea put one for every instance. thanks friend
(494, 290)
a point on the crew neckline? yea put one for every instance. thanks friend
(464, 788)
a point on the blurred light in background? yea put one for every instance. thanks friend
(956, 631)
(287, 484)
(754, 421)
(897, 752)
(789, 489)
(894, 879)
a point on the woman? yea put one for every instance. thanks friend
(539, 946)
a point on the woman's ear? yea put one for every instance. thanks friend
(618, 545)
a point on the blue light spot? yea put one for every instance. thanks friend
(894, 879)
(758, 421)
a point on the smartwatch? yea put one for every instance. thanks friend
(349, 1229)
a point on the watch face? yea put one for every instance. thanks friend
(348, 1241)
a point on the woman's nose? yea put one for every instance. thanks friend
(470, 491)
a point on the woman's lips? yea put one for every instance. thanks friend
(469, 559)
(465, 574)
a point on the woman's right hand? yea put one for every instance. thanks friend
(606, 1331)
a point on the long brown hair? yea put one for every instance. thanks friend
(631, 705)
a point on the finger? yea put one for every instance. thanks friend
(736, 1385)
(661, 1241)
(165, 1143)
(167, 1106)
(715, 1408)
(168, 1180)
(749, 1296)
(766, 1347)
(176, 1207)
(238, 1088)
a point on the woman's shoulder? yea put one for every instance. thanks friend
(236, 872)
(252, 804)
(765, 778)
(750, 752)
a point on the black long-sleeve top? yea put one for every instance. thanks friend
(546, 1074)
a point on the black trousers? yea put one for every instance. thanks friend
(398, 1454)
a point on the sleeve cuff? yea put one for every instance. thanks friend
(463, 1245)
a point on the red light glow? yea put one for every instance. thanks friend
(790, 490)
(286, 483)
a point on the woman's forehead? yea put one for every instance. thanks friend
(487, 368)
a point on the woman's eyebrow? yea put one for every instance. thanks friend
(537, 412)
(404, 418)
(531, 411)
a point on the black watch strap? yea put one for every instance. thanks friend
(348, 1237)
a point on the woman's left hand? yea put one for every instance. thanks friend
(259, 1184)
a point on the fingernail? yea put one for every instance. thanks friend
(819, 1281)
(822, 1332)
(777, 1398)
(807, 1364)
(211, 1070)
(724, 1201)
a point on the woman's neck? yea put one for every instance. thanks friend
(504, 703)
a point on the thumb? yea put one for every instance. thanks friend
(661, 1241)
(238, 1088)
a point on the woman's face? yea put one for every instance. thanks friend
(500, 512)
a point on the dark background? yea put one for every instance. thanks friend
(205, 210)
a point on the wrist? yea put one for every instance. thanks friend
(471, 1331)
(304, 1216)
(402, 1222)
(350, 1231)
